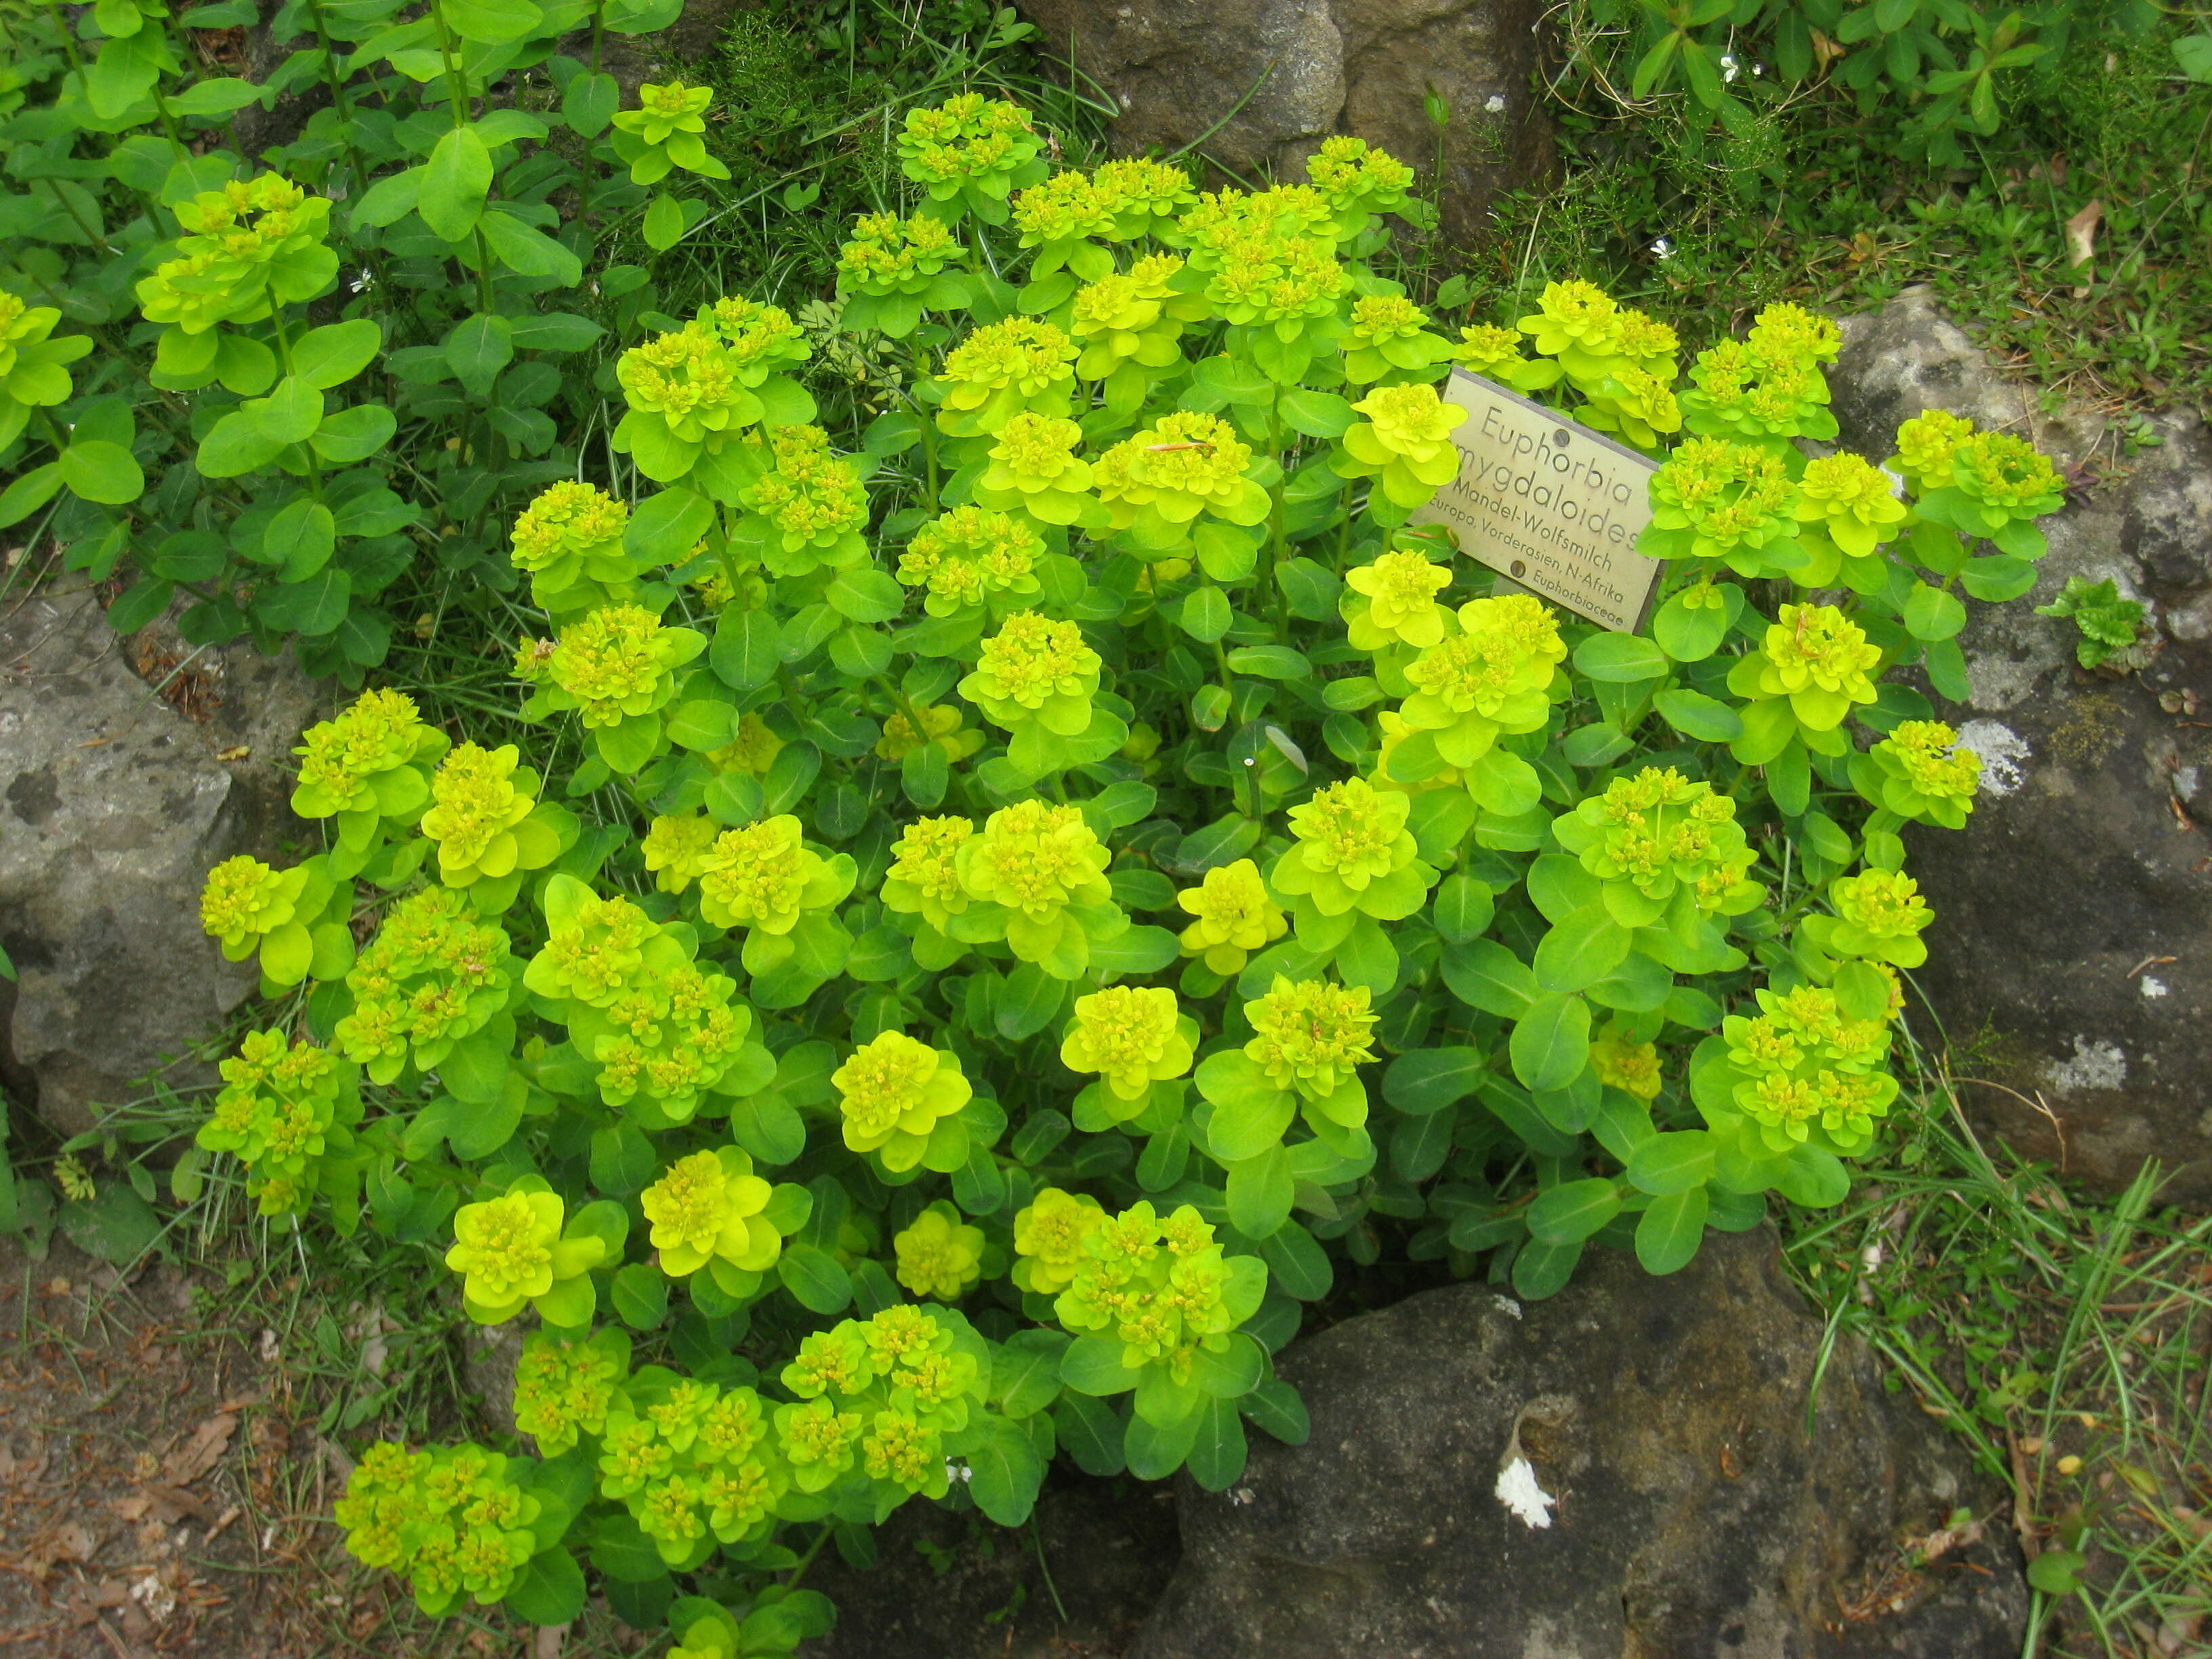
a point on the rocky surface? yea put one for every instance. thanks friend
(2071, 958)
(948, 1586)
(1257, 84)
(118, 795)
(1665, 1499)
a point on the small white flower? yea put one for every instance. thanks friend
(1729, 68)
(1495, 104)
(1518, 1491)
(957, 1470)
(1758, 69)
(1662, 249)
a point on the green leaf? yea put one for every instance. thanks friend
(550, 1590)
(2193, 54)
(354, 434)
(455, 181)
(1694, 714)
(1217, 1451)
(867, 595)
(491, 22)
(528, 251)
(1572, 1211)
(641, 1295)
(96, 470)
(1670, 1229)
(115, 1224)
(1551, 1044)
(1673, 1162)
(1275, 1407)
(2058, 1572)
(1271, 662)
(703, 723)
(300, 539)
(1004, 1472)
(478, 348)
(747, 648)
(31, 491)
(1089, 1432)
(1092, 1365)
(1932, 614)
(815, 1278)
(290, 413)
(1156, 1453)
(1430, 1080)
(1316, 414)
(1204, 615)
(1540, 1270)
(623, 1160)
(1027, 1001)
(329, 356)
(314, 606)
(1025, 1372)
(664, 223)
(1261, 1192)
(1581, 950)
(1484, 974)
(1620, 659)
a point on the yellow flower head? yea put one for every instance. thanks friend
(1488, 349)
(1818, 658)
(378, 732)
(1926, 445)
(1851, 498)
(1065, 207)
(753, 749)
(1133, 1036)
(940, 724)
(1575, 315)
(567, 520)
(1927, 774)
(1183, 465)
(893, 1091)
(1411, 420)
(939, 1256)
(759, 876)
(1310, 1035)
(478, 804)
(1235, 917)
(1356, 176)
(677, 847)
(243, 899)
(612, 663)
(505, 1246)
(1632, 1067)
(1400, 590)
(1036, 669)
(1048, 1237)
(1784, 332)
(1034, 858)
(1351, 831)
(971, 554)
(924, 878)
(707, 1207)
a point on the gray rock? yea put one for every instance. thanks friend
(2071, 958)
(490, 1355)
(954, 1586)
(1257, 84)
(1665, 1420)
(115, 804)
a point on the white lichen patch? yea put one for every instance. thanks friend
(2094, 1064)
(2001, 749)
(1518, 1490)
(2153, 988)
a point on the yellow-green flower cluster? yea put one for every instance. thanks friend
(434, 974)
(283, 1108)
(564, 1386)
(1850, 498)
(1167, 473)
(252, 908)
(1048, 1236)
(1624, 1064)
(812, 500)
(1236, 917)
(1033, 466)
(1066, 210)
(1743, 392)
(694, 1463)
(569, 538)
(1393, 601)
(33, 372)
(1163, 1289)
(1352, 852)
(1879, 916)
(1635, 402)
(1310, 1037)
(485, 819)
(1663, 844)
(1148, 194)
(1388, 340)
(368, 763)
(510, 1249)
(924, 878)
(1816, 657)
(1132, 316)
(708, 1210)
(762, 338)
(891, 255)
(449, 1520)
(676, 848)
(764, 877)
(1357, 181)
(1921, 772)
(1132, 1036)
(1269, 258)
(939, 1254)
(1405, 443)
(1806, 1073)
(901, 1101)
(971, 557)
(878, 1401)
(614, 665)
(1494, 675)
(1039, 862)
(253, 243)
(672, 1039)
(1927, 446)
(1716, 500)
(941, 724)
(597, 951)
(2007, 480)
(666, 132)
(970, 153)
(687, 395)
(1035, 671)
(1002, 369)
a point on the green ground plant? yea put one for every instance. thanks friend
(817, 1069)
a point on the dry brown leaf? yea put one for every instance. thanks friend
(201, 1452)
(2081, 234)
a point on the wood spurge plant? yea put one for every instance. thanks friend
(1039, 854)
